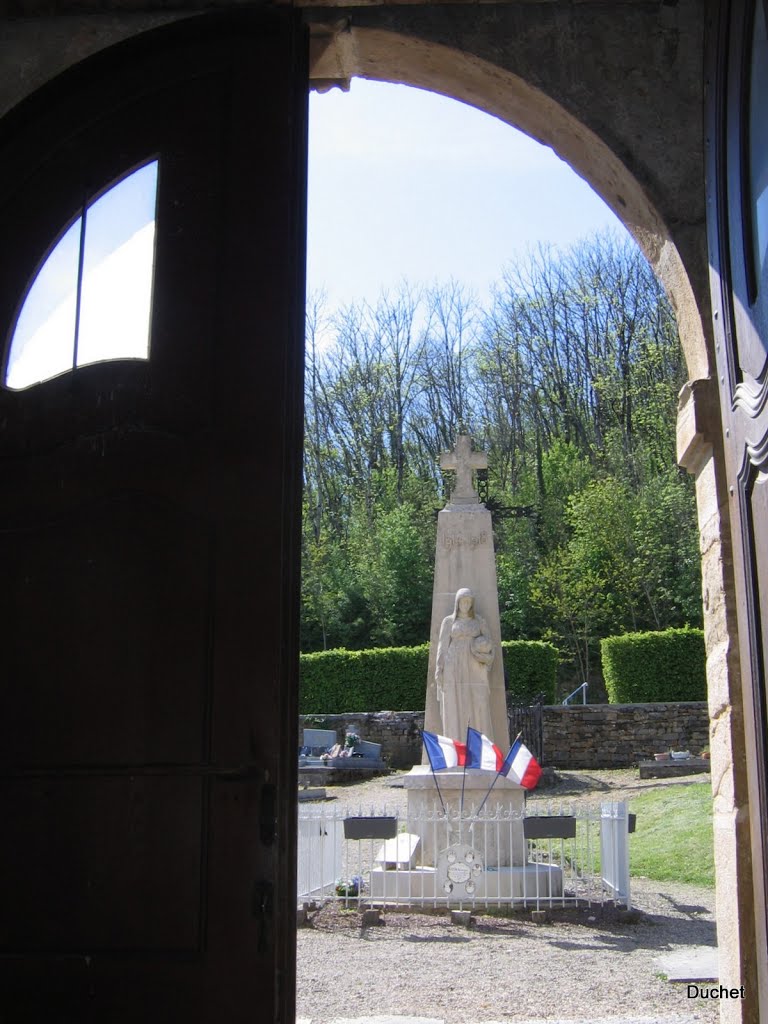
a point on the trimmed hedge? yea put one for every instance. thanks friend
(395, 678)
(531, 669)
(644, 668)
(382, 679)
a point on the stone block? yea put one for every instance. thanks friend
(462, 917)
(372, 918)
(399, 852)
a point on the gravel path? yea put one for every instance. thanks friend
(580, 965)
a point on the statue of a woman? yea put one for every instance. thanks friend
(464, 655)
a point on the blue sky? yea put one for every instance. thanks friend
(406, 183)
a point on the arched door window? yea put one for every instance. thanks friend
(91, 298)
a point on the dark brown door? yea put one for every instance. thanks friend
(148, 548)
(738, 227)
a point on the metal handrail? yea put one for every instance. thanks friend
(582, 689)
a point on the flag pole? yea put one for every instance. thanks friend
(498, 776)
(434, 776)
(463, 780)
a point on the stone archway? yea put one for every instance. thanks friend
(341, 52)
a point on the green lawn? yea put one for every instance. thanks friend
(673, 841)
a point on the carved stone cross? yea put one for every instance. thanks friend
(462, 460)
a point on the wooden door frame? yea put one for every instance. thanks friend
(725, 150)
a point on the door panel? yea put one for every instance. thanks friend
(126, 643)
(740, 304)
(149, 516)
(140, 893)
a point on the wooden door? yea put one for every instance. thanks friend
(149, 517)
(738, 230)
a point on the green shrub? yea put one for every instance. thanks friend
(669, 665)
(531, 668)
(395, 678)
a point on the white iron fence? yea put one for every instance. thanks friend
(543, 858)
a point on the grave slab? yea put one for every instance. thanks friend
(309, 793)
(670, 769)
(317, 775)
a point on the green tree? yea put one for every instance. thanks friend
(629, 564)
(394, 566)
(569, 381)
(571, 597)
(667, 550)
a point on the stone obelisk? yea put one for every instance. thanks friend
(464, 557)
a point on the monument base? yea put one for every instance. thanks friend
(415, 886)
(441, 817)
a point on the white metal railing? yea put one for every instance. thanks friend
(546, 857)
(320, 858)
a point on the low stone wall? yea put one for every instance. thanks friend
(579, 736)
(618, 735)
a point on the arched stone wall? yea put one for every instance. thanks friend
(34, 50)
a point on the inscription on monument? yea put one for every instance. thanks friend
(458, 540)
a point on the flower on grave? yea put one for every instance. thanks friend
(349, 886)
(352, 739)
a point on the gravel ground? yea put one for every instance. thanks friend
(579, 965)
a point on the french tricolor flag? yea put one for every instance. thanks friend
(482, 752)
(443, 752)
(521, 766)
